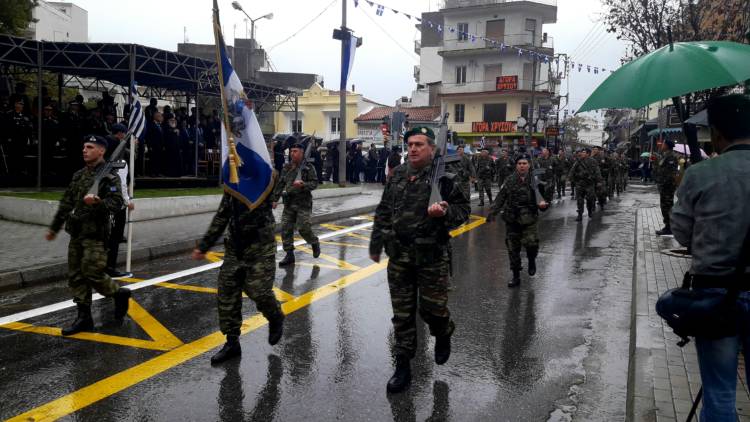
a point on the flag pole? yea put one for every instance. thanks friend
(131, 187)
(233, 162)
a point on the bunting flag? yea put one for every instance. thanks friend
(255, 171)
(356, 3)
(380, 10)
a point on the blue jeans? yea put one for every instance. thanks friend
(717, 360)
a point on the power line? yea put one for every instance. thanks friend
(584, 55)
(408, 53)
(586, 38)
(306, 25)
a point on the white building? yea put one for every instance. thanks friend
(461, 65)
(59, 22)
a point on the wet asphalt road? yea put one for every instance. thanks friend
(554, 349)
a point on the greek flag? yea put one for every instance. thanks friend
(255, 171)
(379, 10)
(137, 122)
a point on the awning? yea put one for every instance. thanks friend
(655, 132)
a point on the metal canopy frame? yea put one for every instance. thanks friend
(162, 72)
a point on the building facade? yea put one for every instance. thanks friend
(57, 21)
(370, 125)
(486, 89)
(318, 111)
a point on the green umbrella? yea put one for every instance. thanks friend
(672, 71)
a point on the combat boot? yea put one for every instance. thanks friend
(666, 231)
(316, 249)
(580, 216)
(531, 254)
(442, 349)
(591, 212)
(288, 259)
(122, 301)
(276, 329)
(83, 321)
(401, 377)
(231, 349)
(516, 281)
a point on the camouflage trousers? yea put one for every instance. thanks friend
(87, 260)
(485, 186)
(666, 201)
(253, 274)
(415, 286)
(560, 181)
(518, 236)
(296, 216)
(586, 194)
(548, 191)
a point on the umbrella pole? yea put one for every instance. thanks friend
(691, 134)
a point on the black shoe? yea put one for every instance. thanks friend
(118, 274)
(481, 204)
(122, 301)
(442, 349)
(124, 239)
(532, 265)
(516, 279)
(316, 249)
(666, 231)
(591, 213)
(231, 349)
(288, 259)
(401, 377)
(580, 216)
(276, 329)
(83, 321)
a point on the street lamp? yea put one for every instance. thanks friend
(237, 6)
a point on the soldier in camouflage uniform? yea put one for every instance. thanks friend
(585, 175)
(485, 173)
(519, 206)
(297, 196)
(86, 219)
(666, 180)
(415, 235)
(249, 266)
(465, 173)
(546, 163)
(561, 166)
(604, 164)
(504, 167)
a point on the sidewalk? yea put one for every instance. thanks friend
(664, 378)
(28, 258)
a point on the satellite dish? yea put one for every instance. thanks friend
(521, 122)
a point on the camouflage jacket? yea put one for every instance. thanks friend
(548, 165)
(402, 212)
(88, 221)
(605, 164)
(516, 201)
(666, 169)
(295, 196)
(585, 172)
(485, 168)
(503, 168)
(561, 166)
(466, 170)
(247, 228)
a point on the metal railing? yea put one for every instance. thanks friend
(489, 85)
(453, 4)
(451, 42)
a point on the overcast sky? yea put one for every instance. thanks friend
(383, 69)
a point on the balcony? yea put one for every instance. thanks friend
(417, 46)
(453, 47)
(454, 4)
(416, 73)
(488, 86)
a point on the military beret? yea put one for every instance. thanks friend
(420, 130)
(117, 128)
(669, 143)
(485, 149)
(588, 150)
(298, 145)
(95, 139)
(523, 156)
(19, 101)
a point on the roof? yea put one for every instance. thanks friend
(416, 114)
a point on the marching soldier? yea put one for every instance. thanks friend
(666, 182)
(249, 266)
(585, 175)
(297, 197)
(546, 163)
(118, 218)
(485, 171)
(415, 235)
(519, 206)
(465, 171)
(86, 219)
(604, 164)
(561, 169)
(503, 167)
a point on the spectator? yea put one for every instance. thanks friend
(171, 161)
(152, 108)
(154, 149)
(713, 221)
(372, 164)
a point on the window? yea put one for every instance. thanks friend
(460, 74)
(458, 116)
(531, 25)
(496, 30)
(463, 31)
(495, 112)
(297, 126)
(335, 124)
(525, 111)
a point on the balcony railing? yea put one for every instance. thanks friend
(489, 86)
(451, 42)
(453, 4)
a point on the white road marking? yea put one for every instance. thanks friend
(168, 277)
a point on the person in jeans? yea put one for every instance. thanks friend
(713, 220)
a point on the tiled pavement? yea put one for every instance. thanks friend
(666, 377)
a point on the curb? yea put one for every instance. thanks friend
(20, 279)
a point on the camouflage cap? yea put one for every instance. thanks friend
(419, 130)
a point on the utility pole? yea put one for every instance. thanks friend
(531, 123)
(342, 100)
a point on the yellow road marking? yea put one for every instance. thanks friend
(214, 256)
(281, 295)
(348, 245)
(339, 263)
(478, 221)
(354, 235)
(161, 338)
(309, 264)
(118, 382)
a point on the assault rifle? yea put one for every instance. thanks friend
(536, 173)
(308, 151)
(114, 162)
(440, 160)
